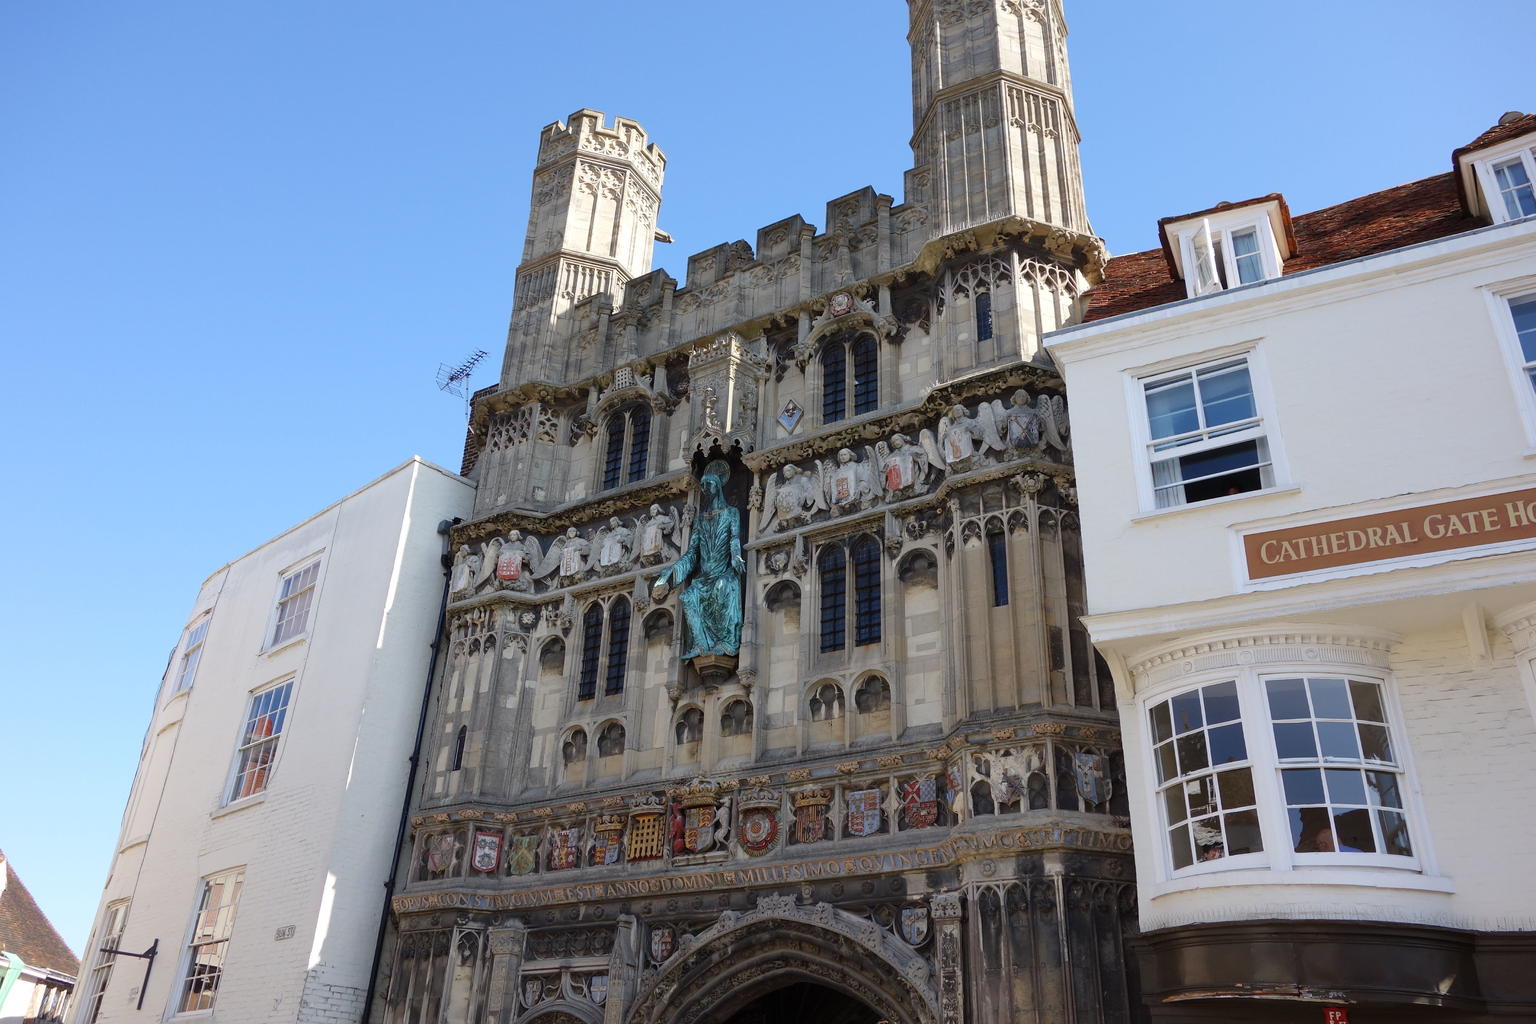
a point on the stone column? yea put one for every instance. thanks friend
(946, 908)
(623, 969)
(507, 943)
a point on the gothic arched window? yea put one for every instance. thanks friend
(873, 694)
(591, 651)
(839, 393)
(826, 703)
(983, 316)
(574, 750)
(690, 727)
(997, 554)
(610, 742)
(626, 451)
(618, 646)
(837, 618)
(736, 719)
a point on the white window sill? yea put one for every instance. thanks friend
(1267, 492)
(267, 652)
(240, 805)
(1367, 876)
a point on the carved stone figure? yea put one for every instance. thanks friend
(568, 556)
(964, 439)
(515, 562)
(710, 572)
(850, 484)
(613, 554)
(1027, 426)
(793, 502)
(904, 467)
(466, 566)
(655, 535)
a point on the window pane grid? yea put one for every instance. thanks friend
(618, 647)
(639, 444)
(210, 936)
(1523, 311)
(1339, 771)
(1515, 188)
(111, 938)
(613, 456)
(866, 376)
(834, 383)
(834, 600)
(997, 551)
(591, 652)
(258, 743)
(293, 603)
(866, 582)
(1204, 776)
(1245, 253)
(192, 653)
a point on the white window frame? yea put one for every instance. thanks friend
(1483, 164)
(1217, 232)
(243, 745)
(1278, 863)
(190, 654)
(1501, 298)
(1266, 429)
(308, 593)
(224, 926)
(108, 935)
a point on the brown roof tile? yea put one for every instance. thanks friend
(1419, 211)
(1498, 133)
(26, 931)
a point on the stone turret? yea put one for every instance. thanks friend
(591, 230)
(993, 131)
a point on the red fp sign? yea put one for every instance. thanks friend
(1335, 1015)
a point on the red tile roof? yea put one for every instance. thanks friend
(1502, 132)
(26, 931)
(1419, 211)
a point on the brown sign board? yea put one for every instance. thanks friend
(1445, 526)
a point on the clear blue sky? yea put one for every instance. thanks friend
(237, 238)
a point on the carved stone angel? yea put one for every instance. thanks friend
(655, 544)
(1044, 423)
(793, 502)
(850, 484)
(904, 467)
(963, 440)
(515, 562)
(569, 557)
(613, 552)
(466, 566)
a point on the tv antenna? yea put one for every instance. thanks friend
(455, 379)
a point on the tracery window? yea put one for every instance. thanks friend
(574, 750)
(839, 392)
(626, 452)
(826, 703)
(837, 618)
(609, 660)
(736, 719)
(610, 742)
(983, 316)
(873, 694)
(690, 727)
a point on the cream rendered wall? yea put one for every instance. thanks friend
(1388, 387)
(316, 846)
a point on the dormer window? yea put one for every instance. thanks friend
(1232, 245)
(1498, 170)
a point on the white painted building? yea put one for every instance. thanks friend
(259, 832)
(1308, 504)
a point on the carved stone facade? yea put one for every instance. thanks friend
(905, 791)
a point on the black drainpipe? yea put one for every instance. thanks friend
(443, 529)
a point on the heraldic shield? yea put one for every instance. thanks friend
(522, 855)
(663, 941)
(564, 848)
(920, 802)
(487, 855)
(811, 814)
(864, 812)
(1092, 780)
(914, 925)
(598, 989)
(698, 828)
(759, 829)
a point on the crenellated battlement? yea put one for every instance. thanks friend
(587, 131)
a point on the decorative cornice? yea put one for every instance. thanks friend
(1294, 643)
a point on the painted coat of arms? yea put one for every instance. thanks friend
(597, 988)
(811, 815)
(646, 835)
(920, 802)
(487, 851)
(522, 855)
(757, 826)
(442, 851)
(663, 941)
(864, 812)
(564, 848)
(914, 925)
(1093, 783)
(698, 828)
(608, 840)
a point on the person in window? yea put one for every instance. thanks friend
(1324, 842)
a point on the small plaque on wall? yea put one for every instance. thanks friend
(1335, 1015)
(285, 932)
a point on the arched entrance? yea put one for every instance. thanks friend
(848, 970)
(802, 1002)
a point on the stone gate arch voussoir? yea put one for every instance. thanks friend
(744, 955)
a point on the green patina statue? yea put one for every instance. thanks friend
(710, 572)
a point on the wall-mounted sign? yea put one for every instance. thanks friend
(1335, 1015)
(1445, 526)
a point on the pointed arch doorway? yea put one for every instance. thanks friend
(802, 1002)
